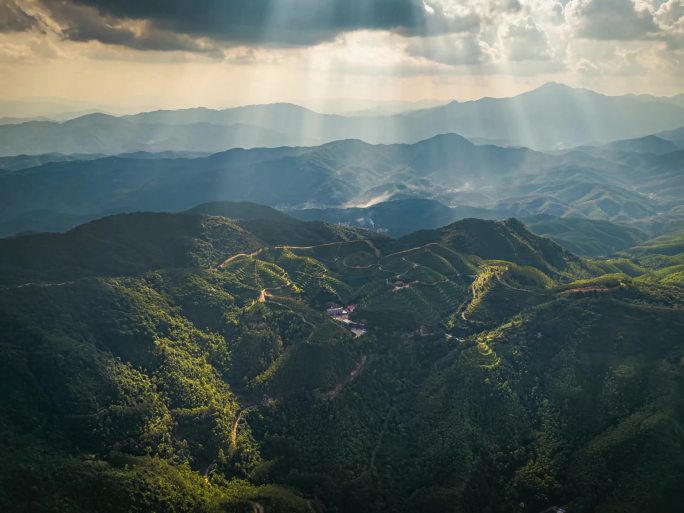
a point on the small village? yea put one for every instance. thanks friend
(340, 314)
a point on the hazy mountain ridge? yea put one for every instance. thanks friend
(587, 183)
(555, 116)
(100, 133)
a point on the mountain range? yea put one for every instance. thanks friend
(551, 117)
(469, 307)
(351, 182)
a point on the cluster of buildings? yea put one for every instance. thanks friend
(340, 314)
(338, 311)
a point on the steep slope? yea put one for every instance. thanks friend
(506, 240)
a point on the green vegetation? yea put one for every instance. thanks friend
(662, 259)
(592, 238)
(182, 363)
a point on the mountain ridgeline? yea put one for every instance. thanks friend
(336, 181)
(233, 359)
(555, 116)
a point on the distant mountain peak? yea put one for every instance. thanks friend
(560, 88)
(95, 117)
(445, 138)
(555, 85)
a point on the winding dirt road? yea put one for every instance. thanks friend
(240, 255)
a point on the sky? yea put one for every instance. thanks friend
(332, 55)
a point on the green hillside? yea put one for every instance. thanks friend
(510, 240)
(668, 245)
(121, 245)
(586, 237)
(662, 258)
(133, 243)
(184, 363)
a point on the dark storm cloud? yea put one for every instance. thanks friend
(246, 21)
(254, 22)
(13, 18)
(83, 23)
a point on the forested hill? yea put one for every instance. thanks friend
(187, 363)
(127, 244)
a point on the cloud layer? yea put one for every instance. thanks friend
(581, 39)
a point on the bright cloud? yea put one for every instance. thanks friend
(418, 47)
